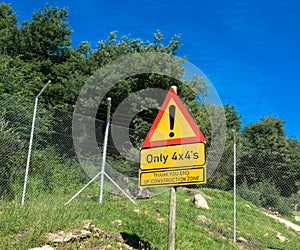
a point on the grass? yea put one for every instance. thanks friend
(24, 227)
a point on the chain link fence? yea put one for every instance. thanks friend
(55, 168)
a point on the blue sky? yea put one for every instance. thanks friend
(249, 49)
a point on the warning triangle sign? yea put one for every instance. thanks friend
(173, 125)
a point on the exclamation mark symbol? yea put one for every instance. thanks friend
(172, 119)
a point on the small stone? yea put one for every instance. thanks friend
(281, 238)
(161, 220)
(144, 193)
(97, 231)
(83, 234)
(46, 247)
(196, 191)
(87, 224)
(204, 220)
(242, 240)
(297, 218)
(117, 222)
(128, 247)
(136, 210)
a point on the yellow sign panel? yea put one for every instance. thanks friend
(176, 177)
(173, 156)
(180, 127)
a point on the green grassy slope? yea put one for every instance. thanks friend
(144, 224)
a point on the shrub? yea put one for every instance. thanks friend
(10, 145)
(265, 194)
(249, 194)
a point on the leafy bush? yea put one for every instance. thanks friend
(51, 173)
(249, 194)
(10, 145)
(264, 194)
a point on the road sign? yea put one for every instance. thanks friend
(173, 152)
(173, 125)
(177, 177)
(173, 156)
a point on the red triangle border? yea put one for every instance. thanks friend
(199, 137)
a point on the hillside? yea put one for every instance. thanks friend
(124, 225)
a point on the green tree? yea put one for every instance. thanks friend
(267, 134)
(18, 77)
(47, 36)
(8, 29)
(223, 176)
(268, 155)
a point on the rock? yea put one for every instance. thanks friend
(117, 222)
(161, 220)
(200, 202)
(58, 237)
(297, 218)
(97, 232)
(192, 191)
(203, 220)
(87, 224)
(281, 238)
(242, 240)
(46, 247)
(143, 193)
(196, 191)
(62, 236)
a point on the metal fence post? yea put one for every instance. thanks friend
(234, 187)
(31, 140)
(104, 150)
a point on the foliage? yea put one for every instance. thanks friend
(222, 177)
(53, 174)
(10, 145)
(265, 194)
(18, 112)
(40, 49)
(273, 158)
(8, 29)
(47, 36)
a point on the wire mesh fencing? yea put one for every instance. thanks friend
(62, 162)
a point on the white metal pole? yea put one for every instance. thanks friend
(234, 186)
(31, 140)
(104, 150)
(74, 196)
(172, 211)
(119, 188)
